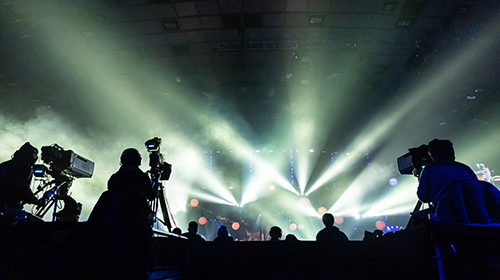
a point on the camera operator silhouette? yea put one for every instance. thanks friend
(124, 210)
(15, 180)
(454, 190)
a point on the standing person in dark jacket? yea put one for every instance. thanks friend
(15, 180)
(124, 210)
(330, 233)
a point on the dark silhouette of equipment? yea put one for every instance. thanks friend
(159, 171)
(60, 167)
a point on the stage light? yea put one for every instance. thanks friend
(194, 202)
(202, 221)
(293, 227)
(272, 187)
(235, 225)
(304, 202)
(301, 226)
(311, 151)
(380, 225)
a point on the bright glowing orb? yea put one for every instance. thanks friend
(235, 226)
(380, 225)
(339, 220)
(194, 202)
(393, 181)
(272, 187)
(322, 210)
(202, 220)
(293, 227)
(304, 201)
(301, 226)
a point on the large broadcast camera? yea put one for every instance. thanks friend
(60, 167)
(416, 158)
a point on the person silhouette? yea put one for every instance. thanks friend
(223, 235)
(124, 210)
(330, 233)
(192, 233)
(275, 233)
(291, 238)
(15, 180)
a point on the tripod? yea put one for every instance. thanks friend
(52, 196)
(161, 201)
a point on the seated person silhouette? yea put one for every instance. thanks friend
(291, 238)
(177, 231)
(275, 234)
(223, 235)
(192, 233)
(330, 233)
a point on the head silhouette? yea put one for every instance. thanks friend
(275, 233)
(291, 238)
(131, 156)
(441, 149)
(193, 227)
(328, 220)
(27, 154)
(222, 232)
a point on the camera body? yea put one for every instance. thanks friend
(65, 162)
(159, 167)
(416, 158)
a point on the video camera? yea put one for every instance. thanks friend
(159, 167)
(63, 166)
(416, 158)
(63, 163)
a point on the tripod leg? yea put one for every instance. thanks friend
(164, 211)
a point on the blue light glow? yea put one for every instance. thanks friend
(393, 181)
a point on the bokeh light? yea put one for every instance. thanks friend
(380, 225)
(293, 227)
(322, 210)
(202, 221)
(339, 220)
(393, 181)
(235, 225)
(194, 202)
(304, 202)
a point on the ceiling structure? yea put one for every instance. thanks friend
(250, 52)
(394, 73)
